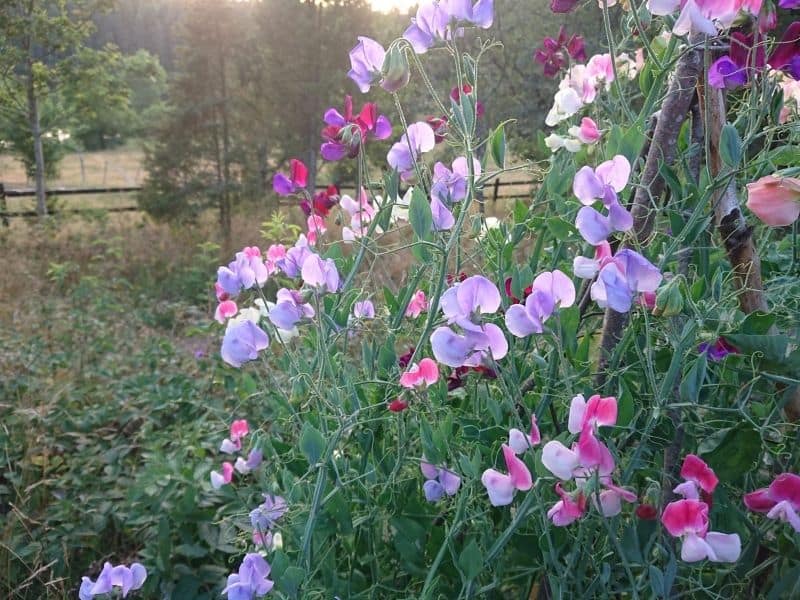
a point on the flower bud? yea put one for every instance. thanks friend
(395, 70)
(669, 299)
(397, 405)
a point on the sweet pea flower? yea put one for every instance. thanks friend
(600, 69)
(297, 179)
(597, 412)
(239, 429)
(403, 154)
(292, 261)
(620, 277)
(698, 16)
(424, 374)
(786, 55)
(439, 481)
(698, 477)
(451, 185)
(397, 405)
(563, 6)
(602, 183)
(717, 350)
(587, 133)
(780, 501)
(316, 227)
(366, 62)
(275, 253)
(775, 200)
(361, 214)
(248, 269)
(320, 274)
(417, 305)
(254, 459)
(265, 515)
(688, 519)
(549, 289)
(554, 52)
(519, 442)
(251, 580)
(219, 479)
(455, 95)
(344, 134)
(320, 204)
(122, 577)
(501, 486)
(480, 14)
(225, 310)
(568, 509)
(364, 309)
(284, 335)
(289, 309)
(242, 342)
(462, 305)
(433, 21)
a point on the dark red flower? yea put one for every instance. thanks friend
(405, 359)
(439, 126)
(514, 300)
(344, 134)
(322, 202)
(563, 6)
(455, 95)
(553, 53)
(647, 512)
(397, 405)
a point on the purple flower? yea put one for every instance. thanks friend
(480, 14)
(320, 273)
(786, 55)
(443, 219)
(242, 342)
(463, 304)
(251, 580)
(404, 154)
(440, 481)
(724, 73)
(718, 350)
(553, 53)
(428, 27)
(364, 309)
(267, 514)
(243, 273)
(620, 277)
(789, 4)
(451, 185)
(602, 183)
(289, 309)
(285, 185)
(344, 134)
(253, 461)
(292, 262)
(366, 62)
(125, 578)
(548, 290)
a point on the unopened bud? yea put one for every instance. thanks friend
(395, 70)
(669, 299)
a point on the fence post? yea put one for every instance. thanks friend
(3, 206)
(496, 189)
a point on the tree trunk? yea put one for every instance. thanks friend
(225, 196)
(38, 150)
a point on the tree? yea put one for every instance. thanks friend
(39, 39)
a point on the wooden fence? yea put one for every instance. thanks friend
(5, 214)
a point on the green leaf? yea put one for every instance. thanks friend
(757, 323)
(561, 229)
(785, 156)
(419, 213)
(693, 379)
(731, 452)
(656, 580)
(497, 146)
(730, 145)
(312, 444)
(772, 347)
(391, 185)
(470, 562)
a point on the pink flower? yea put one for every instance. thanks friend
(597, 412)
(567, 510)
(520, 442)
(320, 273)
(275, 254)
(417, 305)
(225, 310)
(403, 154)
(600, 69)
(424, 374)
(297, 179)
(361, 214)
(781, 500)
(697, 475)
(775, 200)
(588, 133)
(220, 479)
(316, 227)
(345, 134)
(688, 519)
(501, 487)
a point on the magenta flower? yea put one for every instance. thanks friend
(602, 183)
(553, 54)
(501, 486)
(786, 55)
(247, 270)
(242, 342)
(463, 304)
(344, 134)
(122, 577)
(568, 509)
(297, 179)
(251, 580)
(225, 310)
(780, 501)
(321, 203)
(688, 519)
(548, 290)
(406, 152)
(519, 442)
(239, 429)
(290, 308)
(718, 350)
(619, 278)
(417, 305)
(439, 481)
(698, 477)
(424, 374)
(563, 6)
(220, 479)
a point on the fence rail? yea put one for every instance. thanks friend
(6, 214)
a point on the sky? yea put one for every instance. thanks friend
(388, 5)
